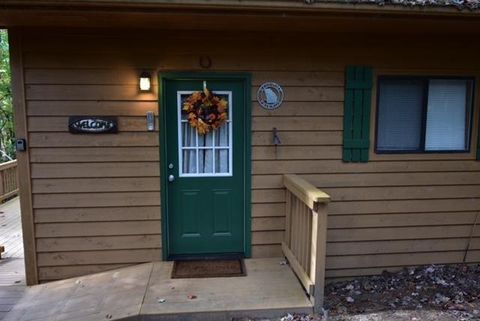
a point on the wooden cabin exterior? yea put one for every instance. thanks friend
(96, 202)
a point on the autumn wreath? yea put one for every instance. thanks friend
(206, 112)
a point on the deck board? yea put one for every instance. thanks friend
(12, 266)
(11, 229)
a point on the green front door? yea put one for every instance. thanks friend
(204, 174)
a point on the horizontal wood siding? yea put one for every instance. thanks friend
(97, 198)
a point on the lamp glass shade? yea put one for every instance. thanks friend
(145, 84)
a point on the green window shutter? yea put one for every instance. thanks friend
(356, 121)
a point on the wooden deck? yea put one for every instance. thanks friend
(12, 269)
(146, 292)
(11, 230)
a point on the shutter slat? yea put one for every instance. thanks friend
(348, 116)
(357, 121)
(356, 135)
(367, 106)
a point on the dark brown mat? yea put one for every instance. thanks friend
(208, 269)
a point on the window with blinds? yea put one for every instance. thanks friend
(423, 114)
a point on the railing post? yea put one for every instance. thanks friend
(288, 213)
(320, 216)
(16, 177)
(2, 184)
(8, 180)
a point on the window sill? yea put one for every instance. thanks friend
(420, 155)
(422, 152)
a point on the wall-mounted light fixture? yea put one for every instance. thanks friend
(145, 81)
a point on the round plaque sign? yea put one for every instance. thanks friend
(270, 95)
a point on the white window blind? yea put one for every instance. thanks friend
(446, 115)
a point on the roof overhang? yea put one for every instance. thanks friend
(253, 15)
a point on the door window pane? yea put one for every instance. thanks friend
(206, 140)
(222, 136)
(399, 114)
(205, 161)
(447, 115)
(221, 160)
(189, 161)
(189, 138)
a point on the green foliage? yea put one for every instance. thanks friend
(7, 130)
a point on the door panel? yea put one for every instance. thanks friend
(222, 210)
(190, 223)
(206, 200)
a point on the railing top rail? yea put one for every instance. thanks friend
(8, 164)
(305, 191)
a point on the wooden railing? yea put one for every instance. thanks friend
(8, 180)
(306, 235)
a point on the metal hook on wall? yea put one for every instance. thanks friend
(276, 138)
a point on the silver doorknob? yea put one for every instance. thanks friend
(171, 178)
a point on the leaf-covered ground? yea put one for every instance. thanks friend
(447, 290)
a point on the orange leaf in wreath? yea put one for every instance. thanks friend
(195, 96)
(202, 127)
(222, 116)
(222, 106)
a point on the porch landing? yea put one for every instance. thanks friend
(135, 293)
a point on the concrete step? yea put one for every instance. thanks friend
(146, 292)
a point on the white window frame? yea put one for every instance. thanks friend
(213, 148)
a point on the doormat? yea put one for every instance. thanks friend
(208, 269)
